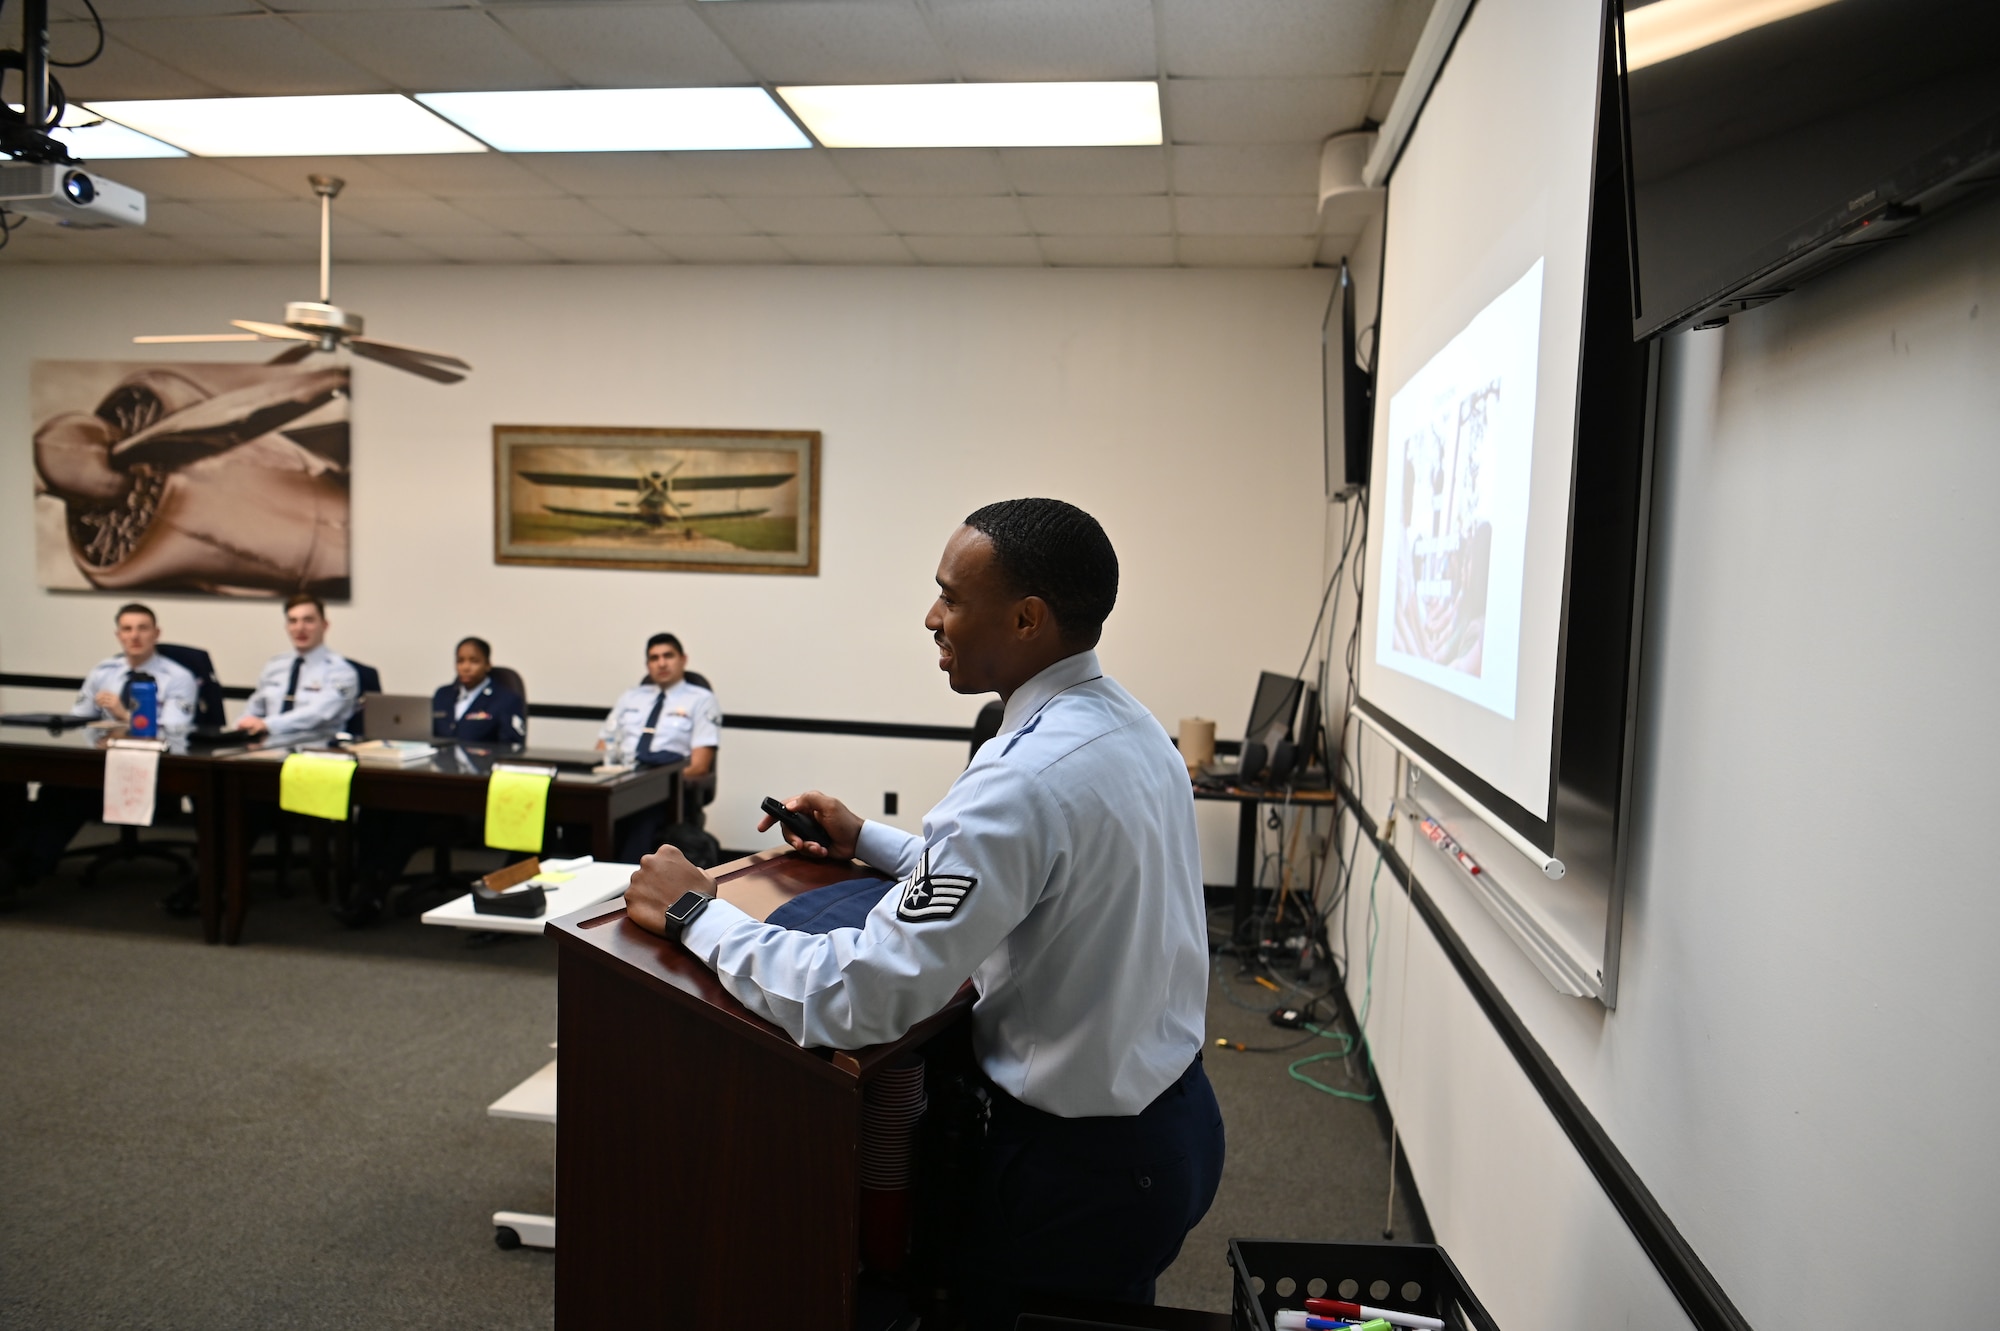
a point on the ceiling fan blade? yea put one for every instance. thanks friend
(293, 354)
(438, 357)
(275, 330)
(199, 337)
(396, 357)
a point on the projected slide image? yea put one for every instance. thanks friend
(1461, 449)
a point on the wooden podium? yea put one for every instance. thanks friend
(707, 1168)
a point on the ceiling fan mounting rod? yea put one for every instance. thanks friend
(326, 187)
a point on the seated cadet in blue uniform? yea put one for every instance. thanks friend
(666, 719)
(36, 845)
(303, 696)
(476, 709)
(1061, 875)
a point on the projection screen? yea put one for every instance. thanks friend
(1480, 340)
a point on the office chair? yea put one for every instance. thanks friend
(207, 712)
(986, 726)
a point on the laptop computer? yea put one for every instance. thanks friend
(396, 716)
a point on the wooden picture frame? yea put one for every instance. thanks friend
(668, 499)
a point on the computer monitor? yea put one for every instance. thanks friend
(1271, 714)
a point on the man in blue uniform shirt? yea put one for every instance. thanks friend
(36, 846)
(306, 695)
(1061, 874)
(666, 719)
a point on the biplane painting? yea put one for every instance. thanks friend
(209, 477)
(737, 501)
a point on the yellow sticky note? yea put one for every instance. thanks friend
(316, 785)
(517, 806)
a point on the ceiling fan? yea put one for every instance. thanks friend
(319, 326)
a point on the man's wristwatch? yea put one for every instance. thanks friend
(680, 912)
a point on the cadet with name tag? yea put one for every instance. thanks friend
(1062, 876)
(306, 695)
(664, 720)
(476, 709)
(35, 845)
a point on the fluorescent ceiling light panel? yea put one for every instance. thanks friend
(979, 115)
(1669, 28)
(359, 125)
(621, 119)
(96, 140)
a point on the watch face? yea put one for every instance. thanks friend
(689, 903)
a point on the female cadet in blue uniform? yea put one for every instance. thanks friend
(1061, 874)
(476, 709)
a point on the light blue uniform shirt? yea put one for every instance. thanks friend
(328, 688)
(690, 719)
(1060, 873)
(178, 688)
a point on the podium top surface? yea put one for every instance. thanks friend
(757, 885)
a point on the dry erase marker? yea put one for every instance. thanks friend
(1290, 1320)
(1341, 1308)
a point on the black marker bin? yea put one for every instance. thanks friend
(1402, 1277)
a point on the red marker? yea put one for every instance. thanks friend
(1340, 1308)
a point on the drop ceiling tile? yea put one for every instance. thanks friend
(384, 249)
(1247, 215)
(120, 74)
(913, 171)
(1400, 31)
(984, 251)
(1246, 251)
(1332, 249)
(598, 249)
(316, 6)
(364, 176)
(1109, 251)
(1263, 110)
(255, 55)
(138, 247)
(115, 10)
(1087, 170)
(1038, 40)
(167, 218)
(165, 178)
(1274, 168)
(626, 46)
(1385, 97)
(542, 217)
(778, 173)
(1270, 38)
(723, 249)
(991, 216)
(293, 218)
(832, 41)
(467, 175)
(481, 249)
(302, 250)
(664, 175)
(847, 249)
(674, 217)
(811, 217)
(409, 217)
(432, 50)
(1100, 215)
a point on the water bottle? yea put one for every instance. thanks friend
(145, 722)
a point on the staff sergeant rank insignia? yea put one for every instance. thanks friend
(933, 896)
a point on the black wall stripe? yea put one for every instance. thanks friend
(1700, 1295)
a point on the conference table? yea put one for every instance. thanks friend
(450, 781)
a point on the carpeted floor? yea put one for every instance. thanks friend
(293, 1132)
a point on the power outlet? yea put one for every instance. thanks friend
(889, 803)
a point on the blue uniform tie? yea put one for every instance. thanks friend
(646, 739)
(292, 689)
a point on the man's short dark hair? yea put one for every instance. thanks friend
(297, 599)
(1058, 552)
(667, 638)
(136, 608)
(485, 648)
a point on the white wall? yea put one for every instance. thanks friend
(1182, 408)
(1803, 1063)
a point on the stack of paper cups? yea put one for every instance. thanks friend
(891, 1104)
(1197, 742)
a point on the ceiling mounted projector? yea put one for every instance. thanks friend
(69, 196)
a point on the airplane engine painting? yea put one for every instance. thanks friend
(737, 501)
(227, 479)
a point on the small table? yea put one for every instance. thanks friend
(452, 780)
(76, 758)
(1249, 801)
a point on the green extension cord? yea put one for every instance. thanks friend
(1348, 1042)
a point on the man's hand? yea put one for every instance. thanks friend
(839, 821)
(252, 725)
(664, 877)
(110, 703)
